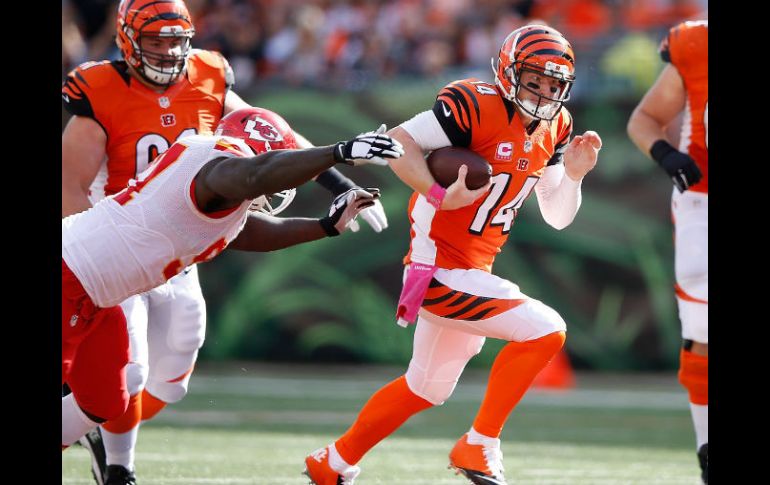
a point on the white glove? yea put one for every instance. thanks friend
(369, 147)
(374, 216)
(346, 207)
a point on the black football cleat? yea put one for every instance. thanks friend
(703, 459)
(119, 475)
(92, 441)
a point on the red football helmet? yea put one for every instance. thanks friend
(262, 130)
(140, 23)
(544, 51)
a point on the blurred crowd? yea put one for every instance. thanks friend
(348, 44)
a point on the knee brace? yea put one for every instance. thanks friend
(694, 375)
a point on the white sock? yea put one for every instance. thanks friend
(120, 447)
(700, 419)
(336, 462)
(476, 438)
(74, 423)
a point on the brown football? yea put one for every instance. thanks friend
(445, 162)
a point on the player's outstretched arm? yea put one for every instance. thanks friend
(263, 233)
(226, 182)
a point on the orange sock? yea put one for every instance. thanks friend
(151, 405)
(385, 411)
(513, 371)
(694, 376)
(128, 420)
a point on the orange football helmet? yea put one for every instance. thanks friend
(139, 20)
(542, 50)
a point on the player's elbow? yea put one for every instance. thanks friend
(558, 221)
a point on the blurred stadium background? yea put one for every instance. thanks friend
(334, 68)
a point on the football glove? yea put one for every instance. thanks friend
(346, 207)
(369, 147)
(679, 166)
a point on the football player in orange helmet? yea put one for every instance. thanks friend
(519, 125)
(682, 86)
(125, 113)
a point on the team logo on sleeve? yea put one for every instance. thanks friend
(168, 120)
(504, 151)
(260, 129)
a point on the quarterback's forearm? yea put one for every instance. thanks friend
(263, 233)
(411, 167)
(558, 196)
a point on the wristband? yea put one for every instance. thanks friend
(436, 195)
(328, 226)
(333, 181)
(660, 149)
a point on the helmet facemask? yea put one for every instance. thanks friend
(162, 69)
(546, 107)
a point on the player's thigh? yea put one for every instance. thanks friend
(480, 303)
(97, 373)
(690, 215)
(177, 316)
(136, 309)
(439, 356)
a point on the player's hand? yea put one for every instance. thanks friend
(459, 195)
(374, 216)
(681, 168)
(346, 207)
(368, 147)
(581, 154)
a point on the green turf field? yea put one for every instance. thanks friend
(253, 424)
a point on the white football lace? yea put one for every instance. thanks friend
(319, 454)
(494, 459)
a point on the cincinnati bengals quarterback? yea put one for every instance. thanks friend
(518, 124)
(190, 205)
(125, 113)
(682, 86)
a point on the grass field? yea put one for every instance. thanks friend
(253, 424)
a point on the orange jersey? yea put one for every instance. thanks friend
(475, 115)
(139, 122)
(686, 48)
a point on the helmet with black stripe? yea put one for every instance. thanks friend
(544, 51)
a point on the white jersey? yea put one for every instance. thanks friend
(151, 230)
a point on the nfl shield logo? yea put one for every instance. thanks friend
(164, 102)
(527, 146)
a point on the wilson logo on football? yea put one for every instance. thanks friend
(260, 129)
(522, 165)
(504, 151)
(168, 120)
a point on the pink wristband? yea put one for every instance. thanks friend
(436, 195)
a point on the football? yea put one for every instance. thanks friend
(444, 163)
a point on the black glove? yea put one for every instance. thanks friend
(681, 167)
(346, 207)
(368, 147)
